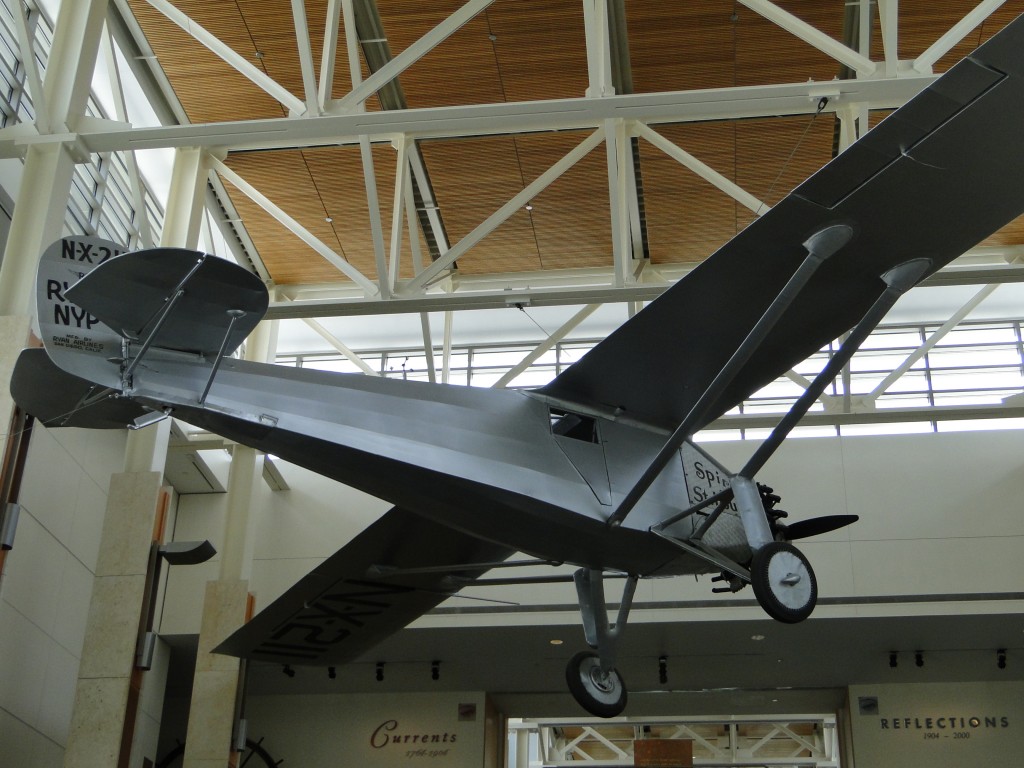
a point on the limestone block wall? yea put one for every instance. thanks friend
(46, 588)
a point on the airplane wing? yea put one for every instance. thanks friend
(932, 180)
(390, 574)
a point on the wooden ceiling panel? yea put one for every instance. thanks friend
(208, 89)
(311, 186)
(461, 70)
(571, 218)
(473, 178)
(687, 217)
(541, 48)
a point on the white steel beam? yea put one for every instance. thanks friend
(293, 226)
(230, 57)
(397, 211)
(376, 228)
(141, 221)
(26, 49)
(490, 292)
(423, 183)
(889, 21)
(309, 86)
(616, 148)
(703, 170)
(940, 333)
(330, 53)
(446, 349)
(800, 28)
(956, 33)
(331, 339)
(502, 119)
(599, 60)
(409, 56)
(502, 214)
(567, 327)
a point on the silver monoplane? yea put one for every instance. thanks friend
(597, 468)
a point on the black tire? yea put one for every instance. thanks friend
(783, 582)
(601, 695)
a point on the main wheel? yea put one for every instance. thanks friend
(602, 695)
(783, 582)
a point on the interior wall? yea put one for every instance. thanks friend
(47, 586)
(371, 730)
(940, 527)
(937, 725)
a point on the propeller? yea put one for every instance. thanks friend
(801, 529)
(815, 526)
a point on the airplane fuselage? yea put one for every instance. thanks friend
(502, 465)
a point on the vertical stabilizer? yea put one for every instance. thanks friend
(74, 338)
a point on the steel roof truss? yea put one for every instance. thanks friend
(297, 229)
(493, 221)
(231, 57)
(376, 228)
(599, 61)
(703, 170)
(815, 37)
(409, 56)
(330, 49)
(397, 210)
(309, 84)
(955, 34)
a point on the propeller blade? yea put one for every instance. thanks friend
(816, 526)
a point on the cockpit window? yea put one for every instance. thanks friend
(573, 425)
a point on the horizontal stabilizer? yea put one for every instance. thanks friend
(59, 399)
(364, 592)
(130, 294)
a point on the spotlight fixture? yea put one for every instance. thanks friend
(919, 658)
(529, 206)
(893, 660)
(288, 670)
(380, 671)
(435, 670)
(332, 673)
(1001, 658)
(663, 669)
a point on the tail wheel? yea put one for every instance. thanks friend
(602, 694)
(783, 582)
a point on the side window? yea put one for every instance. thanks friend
(573, 425)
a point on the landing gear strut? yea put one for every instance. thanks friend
(593, 680)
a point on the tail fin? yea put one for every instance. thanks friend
(75, 338)
(100, 311)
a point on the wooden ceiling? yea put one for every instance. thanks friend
(525, 50)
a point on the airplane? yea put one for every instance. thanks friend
(598, 468)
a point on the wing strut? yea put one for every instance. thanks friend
(820, 246)
(897, 281)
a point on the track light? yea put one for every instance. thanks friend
(332, 673)
(663, 669)
(1001, 658)
(435, 670)
(288, 670)
(893, 663)
(919, 658)
(380, 671)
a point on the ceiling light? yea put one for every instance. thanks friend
(556, 641)
(529, 206)
(328, 219)
(759, 638)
